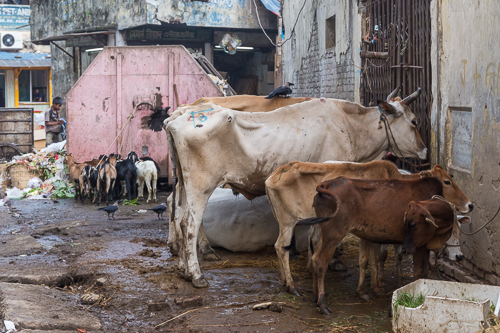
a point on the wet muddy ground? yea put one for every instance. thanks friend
(123, 273)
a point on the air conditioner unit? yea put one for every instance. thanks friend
(11, 40)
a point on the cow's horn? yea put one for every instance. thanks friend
(410, 99)
(393, 94)
(431, 222)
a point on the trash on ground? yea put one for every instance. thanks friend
(142, 211)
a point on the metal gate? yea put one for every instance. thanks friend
(399, 31)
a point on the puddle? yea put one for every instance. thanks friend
(49, 241)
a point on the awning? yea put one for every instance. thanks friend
(16, 59)
(46, 41)
(272, 5)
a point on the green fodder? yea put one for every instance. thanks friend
(409, 300)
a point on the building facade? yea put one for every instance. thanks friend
(77, 30)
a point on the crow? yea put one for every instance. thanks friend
(281, 91)
(160, 209)
(155, 121)
(111, 209)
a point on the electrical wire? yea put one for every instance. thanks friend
(296, 20)
(258, 19)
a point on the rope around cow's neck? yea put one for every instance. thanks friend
(129, 119)
(456, 221)
(389, 130)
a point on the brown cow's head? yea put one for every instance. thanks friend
(403, 125)
(451, 191)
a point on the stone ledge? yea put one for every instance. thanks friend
(455, 270)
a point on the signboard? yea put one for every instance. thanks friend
(13, 16)
(461, 140)
(87, 41)
(170, 34)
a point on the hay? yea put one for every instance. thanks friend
(295, 265)
(20, 175)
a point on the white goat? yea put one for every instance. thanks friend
(146, 172)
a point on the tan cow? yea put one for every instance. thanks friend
(250, 103)
(211, 145)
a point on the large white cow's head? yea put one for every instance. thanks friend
(403, 124)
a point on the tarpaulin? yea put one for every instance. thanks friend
(272, 5)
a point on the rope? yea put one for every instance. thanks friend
(456, 221)
(389, 130)
(129, 119)
(258, 19)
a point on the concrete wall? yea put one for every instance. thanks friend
(466, 117)
(315, 69)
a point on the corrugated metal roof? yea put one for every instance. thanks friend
(15, 59)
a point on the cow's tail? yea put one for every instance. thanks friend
(176, 170)
(291, 246)
(313, 220)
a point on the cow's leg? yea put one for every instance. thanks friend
(398, 256)
(375, 250)
(172, 234)
(196, 200)
(364, 257)
(140, 188)
(328, 243)
(421, 263)
(206, 250)
(284, 240)
(381, 265)
(335, 264)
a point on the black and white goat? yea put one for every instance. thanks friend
(126, 171)
(147, 172)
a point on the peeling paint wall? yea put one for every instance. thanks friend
(466, 117)
(316, 69)
(215, 13)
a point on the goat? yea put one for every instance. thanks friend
(106, 179)
(75, 170)
(88, 181)
(147, 172)
(126, 171)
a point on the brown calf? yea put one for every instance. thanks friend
(370, 209)
(106, 179)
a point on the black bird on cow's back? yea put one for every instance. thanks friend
(111, 209)
(160, 209)
(281, 91)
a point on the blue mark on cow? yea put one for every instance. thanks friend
(335, 184)
(202, 117)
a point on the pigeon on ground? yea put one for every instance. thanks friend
(281, 91)
(160, 209)
(111, 209)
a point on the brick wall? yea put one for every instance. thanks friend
(324, 75)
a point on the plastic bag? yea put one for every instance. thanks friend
(35, 182)
(54, 147)
(39, 118)
(14, 193)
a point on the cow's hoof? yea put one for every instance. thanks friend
(365, 297)
(200, 282)
(337, 266)
(211, 256)
(323, 308)
(294, 291)
(173, 250)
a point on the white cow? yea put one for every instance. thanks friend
(211, 145)
(238, 224)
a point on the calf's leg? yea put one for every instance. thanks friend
(398, 254)
(421, 263)
(284, 240)
(206, 250)
(364, 257)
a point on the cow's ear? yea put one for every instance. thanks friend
(464, 220)
(425, 174)
(388, 109)
(430, 219)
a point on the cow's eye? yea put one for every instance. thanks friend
(447, 182)
(414, 122)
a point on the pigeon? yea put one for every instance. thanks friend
(111, 209)
(160, 209)
(281, 91)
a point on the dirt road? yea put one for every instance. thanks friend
(119, 276)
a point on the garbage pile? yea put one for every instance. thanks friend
(48, 173)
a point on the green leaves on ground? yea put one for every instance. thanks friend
(132, 202)
(62, 190)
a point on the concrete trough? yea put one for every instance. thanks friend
(448, 307)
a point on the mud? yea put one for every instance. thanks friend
(125, 268)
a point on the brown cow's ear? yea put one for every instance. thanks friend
(464, 220)
(388, 109)
(425, 173)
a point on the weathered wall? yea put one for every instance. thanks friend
(315, 69)
(466, 117)
(215, 13)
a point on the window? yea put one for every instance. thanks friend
(34, 86)
(330, 32)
